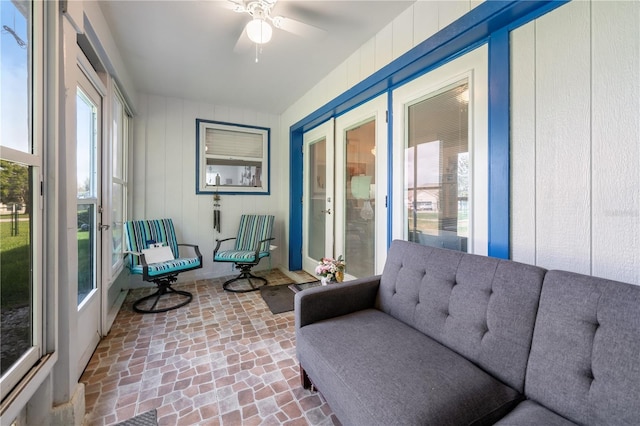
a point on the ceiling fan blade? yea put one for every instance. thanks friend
(243, 44)
(298, 28)
(235, 5)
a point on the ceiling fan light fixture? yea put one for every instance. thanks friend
(259, 31)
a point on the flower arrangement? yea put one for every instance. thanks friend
(331, 269)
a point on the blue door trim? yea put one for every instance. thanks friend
(489, 22)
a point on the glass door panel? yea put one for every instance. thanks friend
(437, 169)
(361, 188)
(318, 214)
(87, 134)
(316, 226)
(360, 199)
(88, 235)
(441, 156)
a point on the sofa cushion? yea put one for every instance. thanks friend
(530, 413)
(483, 308)
(585, 355)
(375, 370)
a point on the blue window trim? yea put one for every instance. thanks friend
(225, 191)
(490, 22)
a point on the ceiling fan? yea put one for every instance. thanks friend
(259, 30)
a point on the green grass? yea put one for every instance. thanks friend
(15, 265)
(15, 261)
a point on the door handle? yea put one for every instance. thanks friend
(103, 227)
(328, 211)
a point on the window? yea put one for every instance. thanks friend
(232, 158)
(437, 169)
(21, 325)
(119, 149)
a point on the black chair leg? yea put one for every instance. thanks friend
(245, 274)
(164, 287)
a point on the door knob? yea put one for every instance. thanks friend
(328, 211)
(103, 227)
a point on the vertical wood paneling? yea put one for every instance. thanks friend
(384, 46)
(155, 158)
(450, 10)
(563, 152)
(174, 151)
(402, 38)
(203, 204)
(425, 20)
(337, 81)
(138, 172)
(189, 214)
(367, 58)
(616, 140)
(353, 69)
(523, 145)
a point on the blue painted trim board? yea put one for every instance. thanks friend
(499, 154)
(489, 22)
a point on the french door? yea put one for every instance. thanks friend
(440, 156)
(318, 195)
(345, 196)
(89, 241)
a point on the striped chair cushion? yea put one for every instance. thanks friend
(175, 265)
(239, 256)
(139, 233)
(252, 228)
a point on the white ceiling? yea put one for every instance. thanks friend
(185, 49)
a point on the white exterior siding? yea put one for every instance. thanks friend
(165, 179)
(575, 138)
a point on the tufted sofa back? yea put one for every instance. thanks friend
(481, 307)
(585, 356)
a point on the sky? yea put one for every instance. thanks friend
(13, 79)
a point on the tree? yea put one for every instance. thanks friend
(14, 184)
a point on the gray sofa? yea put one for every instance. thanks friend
(449, 338)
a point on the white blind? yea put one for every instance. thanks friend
(233, 144)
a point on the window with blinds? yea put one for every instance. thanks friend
(232, 158)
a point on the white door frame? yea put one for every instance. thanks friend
(373, 109)
(474, 66)
(324, 131)
(89, 316)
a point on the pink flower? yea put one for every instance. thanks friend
(328, 267)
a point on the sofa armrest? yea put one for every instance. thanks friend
(320, 303)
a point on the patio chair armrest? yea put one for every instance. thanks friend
(195, 248)
(258, 247)
(219, 242)
(143, 260)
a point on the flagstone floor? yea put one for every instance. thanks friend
(223, 359)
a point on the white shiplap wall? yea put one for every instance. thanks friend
(164, 155)
(576, 140)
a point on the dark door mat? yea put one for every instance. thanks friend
(150, 418)
(279, 298)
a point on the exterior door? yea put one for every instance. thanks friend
(440, 164)
(88, 168)
(361, 188)
(318, 199)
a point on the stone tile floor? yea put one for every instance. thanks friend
(223, 359)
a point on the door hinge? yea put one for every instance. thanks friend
(42, 188)
(386, 199)
(386, 116)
